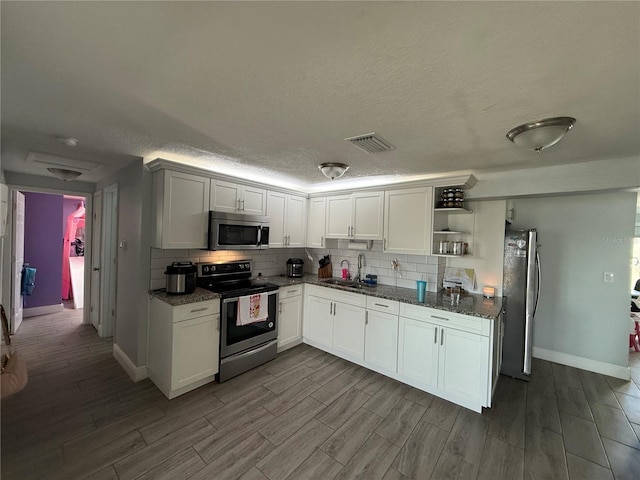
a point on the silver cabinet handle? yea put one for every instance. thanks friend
(330, 308)
(292, 291)
(384, 245)
(238, 204)
(441, 336)
(366, 317)
(243, 205)
(440, 318)
(322, 241)
(381, 305)
(279, 307)
(435, 335)
(195, 310)
(353, 231)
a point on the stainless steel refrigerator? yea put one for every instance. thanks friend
(521, 286)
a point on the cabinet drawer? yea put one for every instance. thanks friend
(336, 295)
(195, 310)
(383, 305)
(447, 319)
(290, 291)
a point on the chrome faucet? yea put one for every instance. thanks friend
(360, 262)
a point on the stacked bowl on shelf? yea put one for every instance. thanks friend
(451, 198)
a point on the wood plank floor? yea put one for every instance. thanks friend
(305, 415)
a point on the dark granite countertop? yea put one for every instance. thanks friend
(471, 304)
(200, 295)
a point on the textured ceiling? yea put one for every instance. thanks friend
(268, 90)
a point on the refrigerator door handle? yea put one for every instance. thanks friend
(529, 302)
(535, 308)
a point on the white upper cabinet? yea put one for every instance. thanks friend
(237, 198)
(316, 222)
(407, 224)
(355, 216)
(287, 217)
(181, 203)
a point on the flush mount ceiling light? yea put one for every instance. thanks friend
(333, 170)
(64, 174)
(542, 134)
(69, 141)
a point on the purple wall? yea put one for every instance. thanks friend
(43, 235)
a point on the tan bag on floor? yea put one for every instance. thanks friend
(14, 369)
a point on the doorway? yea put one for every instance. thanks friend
(15, 239)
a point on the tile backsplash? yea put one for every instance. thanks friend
(269, 262)
(376, 262)
(272, 262)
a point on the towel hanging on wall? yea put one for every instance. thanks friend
(28, 280)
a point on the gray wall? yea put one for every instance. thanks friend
(582, 237)
(134, 193)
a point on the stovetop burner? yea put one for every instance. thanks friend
(231, 279)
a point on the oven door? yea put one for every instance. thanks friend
(234, 338)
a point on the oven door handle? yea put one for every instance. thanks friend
(231, 300)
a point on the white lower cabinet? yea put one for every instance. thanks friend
(381, 341)
(318, 322)
(348, 331)
(183, 345)
(418, 358)
(447, 354)
(437, 355)
(290, 317)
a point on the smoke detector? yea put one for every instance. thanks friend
(371, 143)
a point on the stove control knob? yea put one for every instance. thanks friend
(212, 268)
(205, 269)
(270, 324)
(246, 265)
(241, 266)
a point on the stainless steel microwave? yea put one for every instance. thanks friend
(235, 231)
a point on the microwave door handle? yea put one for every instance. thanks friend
(259, 235)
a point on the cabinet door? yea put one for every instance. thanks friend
(195, 350)
(367, 215)
(338, 216)
(253, 200)
(407, 224)
(348, 330)
(381, 340)
(276, 212)
(296, 225)
(290, 321)
(225, 196)
(318, 321)
(185, 210)
(418, 351)
(463, 364)
(316, 222)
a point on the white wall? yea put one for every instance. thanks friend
(488, 245)
(134, 192)
(581, 237)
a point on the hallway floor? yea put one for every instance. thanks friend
(303, 416)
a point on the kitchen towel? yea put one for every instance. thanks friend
(252, 309)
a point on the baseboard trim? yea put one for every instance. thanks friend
(583, 363)
(136, 373)
(44, 310)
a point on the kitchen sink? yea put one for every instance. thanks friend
(343, 283)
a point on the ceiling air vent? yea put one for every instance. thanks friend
(371, 143)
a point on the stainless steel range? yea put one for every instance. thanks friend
(244, 343)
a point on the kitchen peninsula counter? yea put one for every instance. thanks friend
(471, 304)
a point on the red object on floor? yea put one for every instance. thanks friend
(633, 342)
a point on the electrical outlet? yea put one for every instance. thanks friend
(608, 277)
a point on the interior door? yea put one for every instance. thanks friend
(108, 262)
(96, 253)
(17, 257)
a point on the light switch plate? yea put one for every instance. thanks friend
(608, 277)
